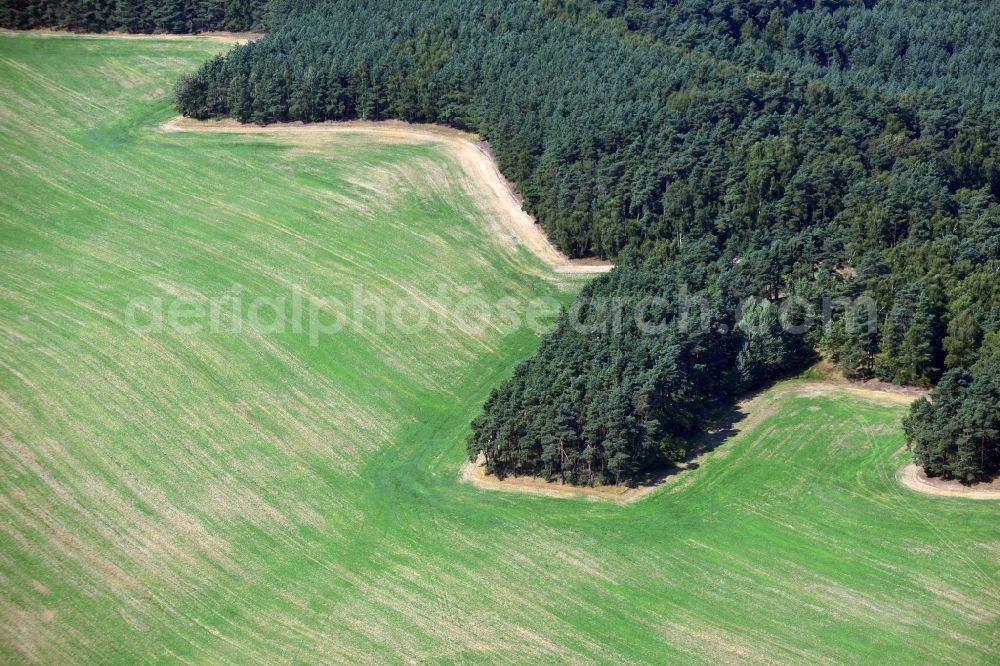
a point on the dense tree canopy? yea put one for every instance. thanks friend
(835, 149)
(956, 434)
(138, 16)
(624, 380)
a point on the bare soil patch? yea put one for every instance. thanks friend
(913, 477)
(491, 189)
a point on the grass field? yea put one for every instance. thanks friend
(251, 497)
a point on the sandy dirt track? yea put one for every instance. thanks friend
(913, 478)
(475, 473)
(493, 189)
(752, 408)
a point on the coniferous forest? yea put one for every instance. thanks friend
(135, 16)
(841, 149)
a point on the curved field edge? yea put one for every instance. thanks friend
(491, 189)
(913, 478)
(718, 436)
(251, 498)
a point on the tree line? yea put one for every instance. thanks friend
(134, 16)
(772, 147)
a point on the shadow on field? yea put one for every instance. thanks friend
(722, 428)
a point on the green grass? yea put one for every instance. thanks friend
(235, 498)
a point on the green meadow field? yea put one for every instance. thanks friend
(258, 496)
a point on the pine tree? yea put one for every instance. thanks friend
(857, 356)
(964, 338)
(916, 356)
(169, 16)
(773, 32)
(765, 350)
(133, 16)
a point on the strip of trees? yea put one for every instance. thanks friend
(135, 16)
(774, 147)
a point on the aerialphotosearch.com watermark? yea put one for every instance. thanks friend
(449, 311)
(301, 313)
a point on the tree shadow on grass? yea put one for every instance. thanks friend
(722, 428)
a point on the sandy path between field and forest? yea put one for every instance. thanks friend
(911, 476)
(472, 154)
(751, 410)
(475, 473)
(914, 478)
